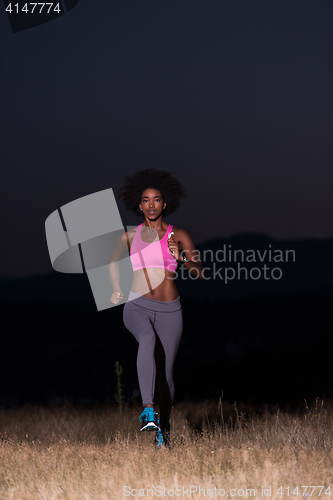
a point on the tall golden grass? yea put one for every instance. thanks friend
(97, 454)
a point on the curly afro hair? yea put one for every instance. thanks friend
(170, 188)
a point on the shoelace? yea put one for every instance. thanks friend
(149, 412)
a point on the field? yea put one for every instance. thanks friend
(227, 450)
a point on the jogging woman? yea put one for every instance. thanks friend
(153, 312)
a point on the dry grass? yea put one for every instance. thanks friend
(92, 454)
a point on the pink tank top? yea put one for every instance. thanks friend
(156, 254)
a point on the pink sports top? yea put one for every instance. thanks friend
(156, 254)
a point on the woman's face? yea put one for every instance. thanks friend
(152, 203)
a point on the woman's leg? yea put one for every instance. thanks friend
(138, 322)
(168, 327)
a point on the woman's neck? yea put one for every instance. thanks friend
(156, 225)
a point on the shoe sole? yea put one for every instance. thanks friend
(150, 427)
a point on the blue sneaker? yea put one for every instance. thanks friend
(148, 418)
(159, 441)
(162, 436)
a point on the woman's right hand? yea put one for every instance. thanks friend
(116, 296)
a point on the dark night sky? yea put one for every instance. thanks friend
(234, 97)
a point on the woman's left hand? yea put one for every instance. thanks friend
(173, 247)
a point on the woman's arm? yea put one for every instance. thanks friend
(117, 253)
(182, 243)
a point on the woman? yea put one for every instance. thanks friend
(153, 312)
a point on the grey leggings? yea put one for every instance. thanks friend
(157, 326)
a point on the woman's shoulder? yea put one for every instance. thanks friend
(132, 230)
(130, 233)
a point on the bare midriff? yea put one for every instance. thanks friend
(161, 284)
